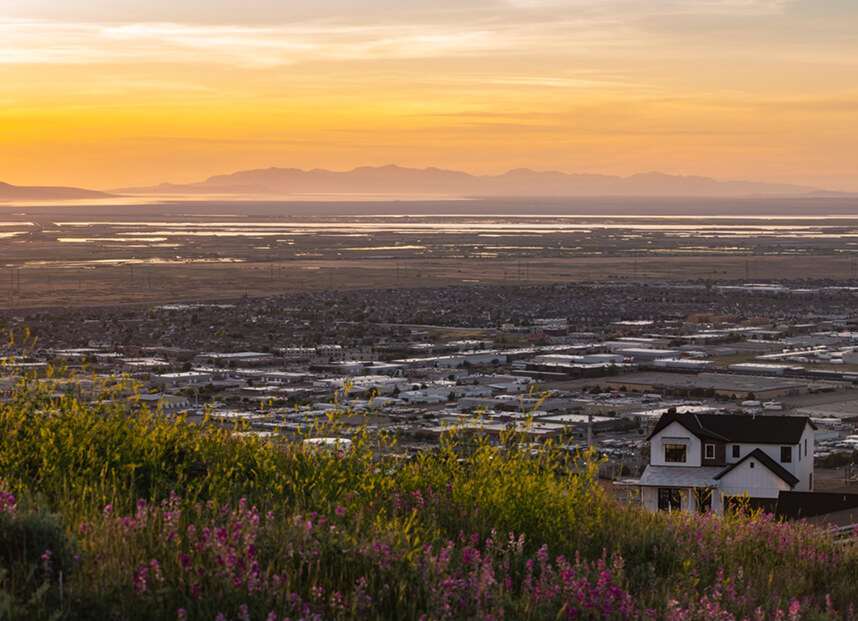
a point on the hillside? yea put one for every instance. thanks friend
(10, 193)
(107, 513)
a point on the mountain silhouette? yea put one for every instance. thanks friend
(37, 193)
(398, 180)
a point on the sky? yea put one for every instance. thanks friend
(112, 93)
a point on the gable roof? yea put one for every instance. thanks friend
(740, 428)
(768, 462)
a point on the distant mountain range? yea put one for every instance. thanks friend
(400, 181)
(47, 193)
(397, 181)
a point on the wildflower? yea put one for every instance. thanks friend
(108, 511)
(8, 502)
(340, 511)
(46, 559)
(155, 566)
(794, 610)
(829, 606)
(141, 583)
(181, 614)
(337, 601)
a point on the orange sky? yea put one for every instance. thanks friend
(127, 92)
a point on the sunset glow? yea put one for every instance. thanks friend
(130, 92)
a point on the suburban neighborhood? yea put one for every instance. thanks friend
(690, 408)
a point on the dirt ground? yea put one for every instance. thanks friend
(126, 283)
(51, 256)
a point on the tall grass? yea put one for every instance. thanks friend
(111, 512)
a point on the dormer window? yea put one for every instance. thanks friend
(675, 453)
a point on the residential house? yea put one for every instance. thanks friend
(702, 462)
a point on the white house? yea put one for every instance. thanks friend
(699, 462)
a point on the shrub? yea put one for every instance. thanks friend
(35, 554)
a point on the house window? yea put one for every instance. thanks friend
(751, 464)
(669, 499)
(675, 453)
(786, 454)
(805, 447)
(736, 451)
(709, 451)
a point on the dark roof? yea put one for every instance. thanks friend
(741, 428)
(768, 462)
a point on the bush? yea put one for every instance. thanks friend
(35, 553)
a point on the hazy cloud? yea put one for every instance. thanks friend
(636, 8)
(52, 43)
(257, 46)
(121, 31)
(415, 11)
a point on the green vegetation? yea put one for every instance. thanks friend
(838, 459)
(115, 512)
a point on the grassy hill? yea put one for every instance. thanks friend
(111, 515)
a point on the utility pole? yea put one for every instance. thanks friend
(589, 430)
